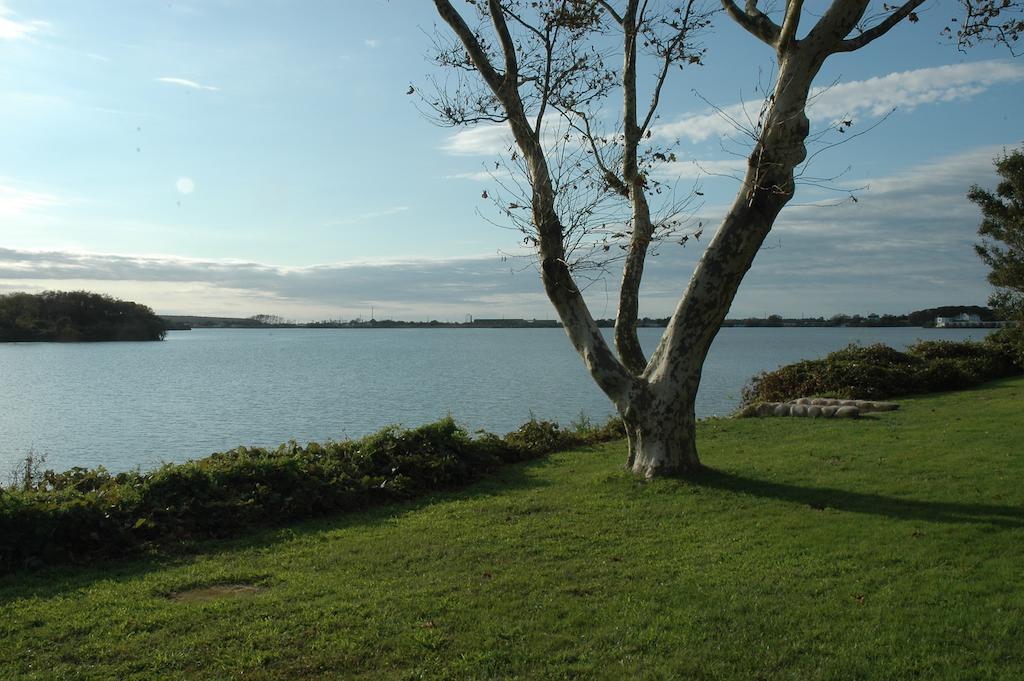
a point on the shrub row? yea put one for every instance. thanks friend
(82, 514)
(879, 372)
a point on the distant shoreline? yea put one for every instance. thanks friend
(917, 319)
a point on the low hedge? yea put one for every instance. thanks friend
(83, 514)
(880, 372)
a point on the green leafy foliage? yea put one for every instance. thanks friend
(879, 372)
(83, 513)
(1002, 248)
(76, 316)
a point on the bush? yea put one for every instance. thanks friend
(80, 514)
(1010, 341)
(880, 372)
(535, 438)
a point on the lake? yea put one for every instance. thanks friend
(123, 405)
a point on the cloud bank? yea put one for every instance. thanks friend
(904, 245)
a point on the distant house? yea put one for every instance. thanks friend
(962, 320)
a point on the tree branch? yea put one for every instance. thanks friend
(508, 46)
(465, 34)
(790, 24)
(881, 29)
(665, 65)
(611, 10)
(754, 21)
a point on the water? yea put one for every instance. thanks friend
(122, 405)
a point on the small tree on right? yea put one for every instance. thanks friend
(1002, 245)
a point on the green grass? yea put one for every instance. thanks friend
(886, 548)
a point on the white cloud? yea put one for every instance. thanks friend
(872, 97)
(482, 140)
(191, 84)
(371, 43)
(371, 215)
(908, 89)
(15, 201)
(14, 29)
(485, 175)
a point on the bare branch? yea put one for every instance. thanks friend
(611, 11)
(508, 46)
(851, 44)
(476, 52)
(790, 24)
(753, 21)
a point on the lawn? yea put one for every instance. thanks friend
(890, 547)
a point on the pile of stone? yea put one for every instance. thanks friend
(815, 407)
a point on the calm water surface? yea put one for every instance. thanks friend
(122, 405)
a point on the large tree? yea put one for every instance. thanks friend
(1002, 246)
(522, 62)
(1002, 235)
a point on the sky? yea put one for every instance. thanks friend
(242, 157)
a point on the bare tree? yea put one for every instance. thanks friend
(524, 59)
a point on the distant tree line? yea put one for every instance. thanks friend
(925, 318)
(71, 316)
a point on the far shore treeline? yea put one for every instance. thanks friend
(71, 316)
(919, 318)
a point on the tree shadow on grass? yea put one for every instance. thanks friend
(60, 579)
(1009, 517)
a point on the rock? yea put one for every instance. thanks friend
(817, 407)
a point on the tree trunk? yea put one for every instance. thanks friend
(662, 432)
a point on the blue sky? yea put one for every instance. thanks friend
(241, 157)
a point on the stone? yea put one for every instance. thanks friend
(813, 411)
(828, 412)
(782, 410)
(798, 410)
(847, 412)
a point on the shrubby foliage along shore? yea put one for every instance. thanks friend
(83, 514)
(76, 316)
(879, 372)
